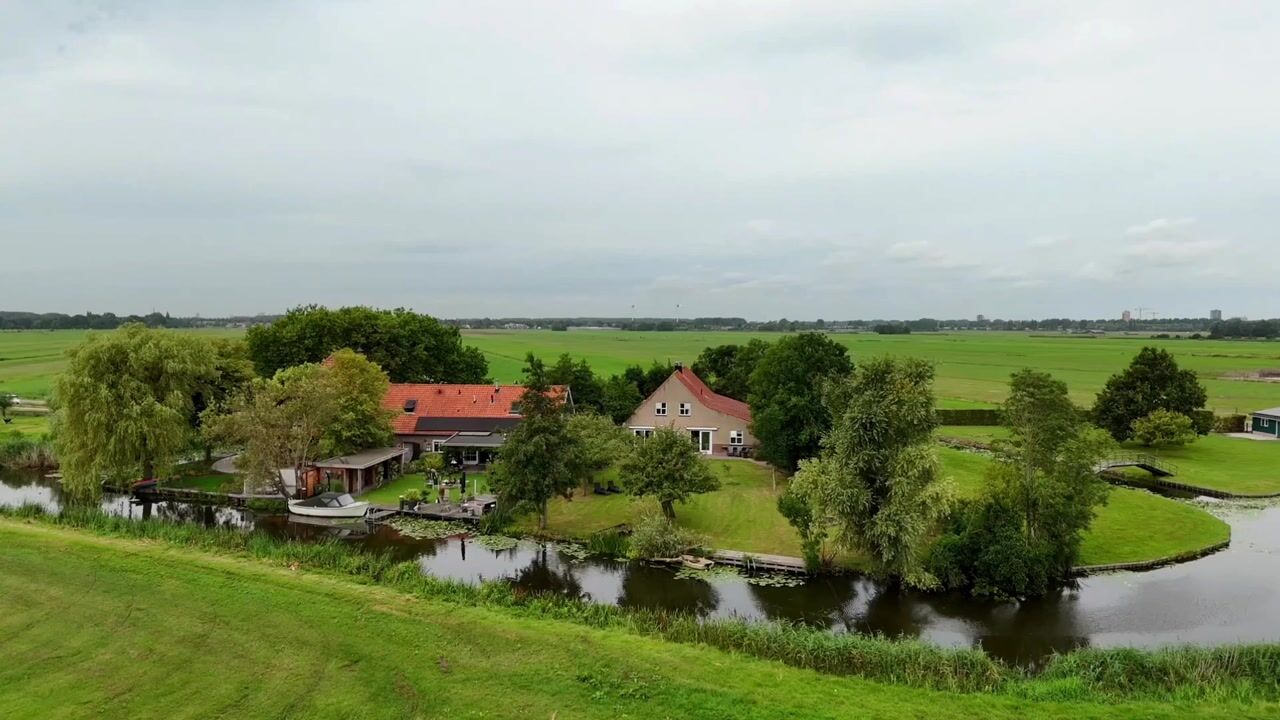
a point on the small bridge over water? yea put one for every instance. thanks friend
(1152, 464)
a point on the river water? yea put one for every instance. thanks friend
(1231, 596)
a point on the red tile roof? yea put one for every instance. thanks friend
(713, 400)
(460, 401)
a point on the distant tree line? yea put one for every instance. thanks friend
(13, 320)
(1237, 328)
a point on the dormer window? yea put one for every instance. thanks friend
(686, 409)
(660, 409)
(410, 405)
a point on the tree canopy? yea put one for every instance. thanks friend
(727, 369)
(409, 346)
(787, 410)
(541, 457)
(124, 406)
(668, 467)
(1152, 382)
(876, 484)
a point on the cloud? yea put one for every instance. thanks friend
(1044, 241)
(1159, 226)
(926, 255)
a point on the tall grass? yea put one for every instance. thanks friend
(1243, 674)
(26, 452)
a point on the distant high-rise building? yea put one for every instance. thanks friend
(1126, 316)
(982, 318)
(1215, 315)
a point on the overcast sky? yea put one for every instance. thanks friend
(799, 159)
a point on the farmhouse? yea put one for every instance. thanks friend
(1266, 422)
(471, 419)
(719, 425)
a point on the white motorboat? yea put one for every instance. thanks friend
(329, 505)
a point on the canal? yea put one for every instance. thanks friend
(1231, 596)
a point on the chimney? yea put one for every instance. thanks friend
(679, 366)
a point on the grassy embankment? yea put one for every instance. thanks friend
(206, 623)
(1134, 526)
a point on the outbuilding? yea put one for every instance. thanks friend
(1265, 422)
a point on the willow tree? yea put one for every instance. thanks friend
(876, 484)
(123, 407)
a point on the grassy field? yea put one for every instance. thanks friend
(29, 359)
(1135, 525)
(973, 368)
(27, 424)
(110, 626)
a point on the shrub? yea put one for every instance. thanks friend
(413, 496)
(987, 553)
(1164, 428)
(657, 537)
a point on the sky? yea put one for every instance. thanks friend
(756, 159)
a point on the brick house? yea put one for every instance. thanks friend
(717, 424)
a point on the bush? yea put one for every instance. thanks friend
(1229, 423)
(23, 451)
(1164, 428)
(609, 544)
(657, 537)
(413, 496)
(987, 553)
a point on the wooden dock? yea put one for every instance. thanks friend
(756, 561)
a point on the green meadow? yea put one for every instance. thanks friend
(972, 368)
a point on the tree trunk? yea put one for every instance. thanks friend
(669, 509)
(542, 516)
(148, 469)
(208, 453)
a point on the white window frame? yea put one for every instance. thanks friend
(643, 433)
(736, 437)
(660, 409)
(686, 409)
(437, 446)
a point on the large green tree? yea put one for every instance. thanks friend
(787, 411)
(123, 408)
(541, 457)
(587, 390)
(668, 467)
(876, 484)
(360, 421)
(409, 346)
(233, 371)
(279, 424)
(621, 397)
(1152, 382)
(727, 369)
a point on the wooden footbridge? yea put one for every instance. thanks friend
(1152, 464)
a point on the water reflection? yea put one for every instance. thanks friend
(1232, 596)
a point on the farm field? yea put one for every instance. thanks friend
(111, 646)
(972, 368)
(1135, 525)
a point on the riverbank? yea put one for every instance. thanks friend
(388, 644)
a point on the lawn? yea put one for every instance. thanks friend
(26, 424)
(742, 515)
(389, 493)
(121, 628)
(208, 482)
(1221, 462)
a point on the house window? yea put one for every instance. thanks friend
(660, 409)
(735, 437)
(686, 409)
(410, 405)
(437, 446)
(642, 433)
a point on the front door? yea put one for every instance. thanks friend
(702, 438)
